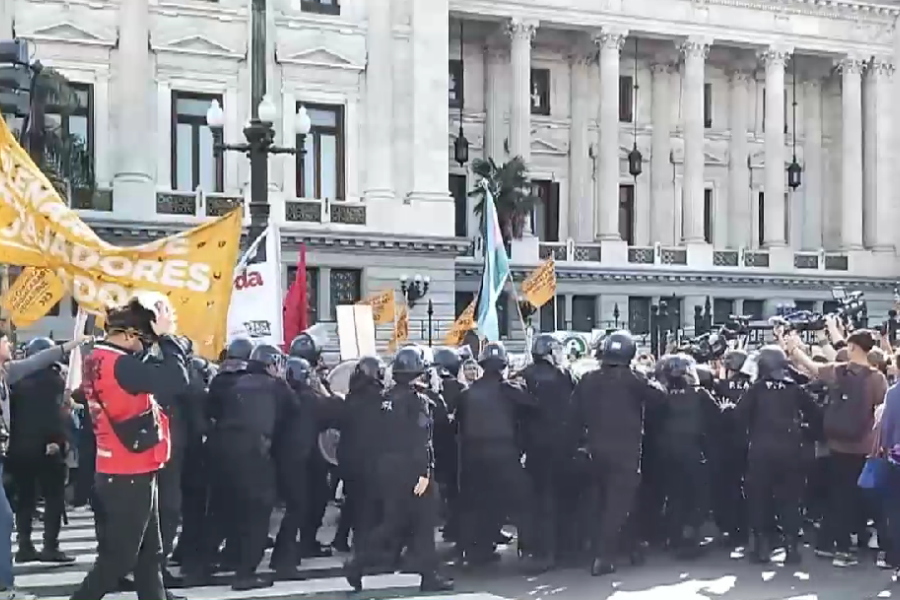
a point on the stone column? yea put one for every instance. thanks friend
(581, 210)
(662, 201)
(521, 34)
(133, 189)
(851, 154)
(739, 203)
(694, 52)
(606, 166)
(430, 47)
(775, 174)
(813, 205)
(495, 129)
(379, 97)
(882, 70)
(869, 134)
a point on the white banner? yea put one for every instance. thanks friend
(73, 376)
(256, 300)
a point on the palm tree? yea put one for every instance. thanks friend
(63, 157)
(513, 196)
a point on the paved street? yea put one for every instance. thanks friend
(716, 576)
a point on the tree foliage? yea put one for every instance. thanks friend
(513, 194)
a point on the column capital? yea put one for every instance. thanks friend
(774, 55)
(695, 47)
(582, 52)
(851, 65)
(521, 29)
(882, 66)
(611, 38)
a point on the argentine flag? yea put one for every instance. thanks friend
(496, 270)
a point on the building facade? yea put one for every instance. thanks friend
(719, 97)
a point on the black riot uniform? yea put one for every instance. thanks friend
(493, 483)
(359, 512)
(610, 405)
(403, 477)
(775, 409)
(36, 455)
(448, 363)
(688, 414)
(550, 445)
(729, 463)
(242, 444)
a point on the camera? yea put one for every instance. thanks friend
(713, 345)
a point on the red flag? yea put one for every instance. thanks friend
(296, 303)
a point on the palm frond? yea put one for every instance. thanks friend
(512, 191)
(52, 88)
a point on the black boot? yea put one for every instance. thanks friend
(433, 582)
(602, 567)
(792, 553)
(27, 552)
(353, 574)
(760, 554)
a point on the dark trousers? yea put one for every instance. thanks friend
(548, 475)
(403, 513)
(350, 518)
(40, 474)
(169, 482)
(129, 541)
(775, 486)
(84, 479)
(194, 501)
(494, 487)
(890, 511)
(318, 494)
(687, 490)
(844, 501)
(286, 553)
(616, 485)
(729, 501)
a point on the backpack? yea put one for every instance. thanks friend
(848, 416)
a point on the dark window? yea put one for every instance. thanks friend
(540, 91)
(545, 215)
(708, 216)
(546, 315)
(755, 309)
(626, 213)
(76, 122)
(707, 105)
(195, 164)
(639, 315)
(503, 314)
(809, 305)
(312, 290)
(673, 312)
(461, 301)
(320, 170)
(830, 306)
(626, 99)
(461, 204)
(346, 288)
(584, 313)
(457, 87)
(325, 7)
(761, 223)
(722, 309)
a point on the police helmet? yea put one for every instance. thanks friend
(448, 361)
(408, 364)
(371, 368)
(304, 346)
(38, 344)
(734, 360)
(676, 371)
(201, 367)
(618, 348)
(493, 357)
(546, 347)
(772, 363)
(240, 348)
(268, 355)
(298, 370)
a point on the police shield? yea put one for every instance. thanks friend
(339, 377)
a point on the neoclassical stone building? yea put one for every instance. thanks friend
(718, 98)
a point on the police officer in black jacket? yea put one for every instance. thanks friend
(610, 404)
(774, 410)
(403, 477)
(550, 443)
(493, 482)
(37, 450)
(242, 444)
(448, 363)
(687, 416)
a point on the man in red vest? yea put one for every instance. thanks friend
(132, 445)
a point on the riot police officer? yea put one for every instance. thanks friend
(403, 477)
(550, 443)
(610, 404)
(448, 363)
(774, 410)
(493, 483)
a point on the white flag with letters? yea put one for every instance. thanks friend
(256, 300)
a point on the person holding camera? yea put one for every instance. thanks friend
(133, 444)
(855, 390)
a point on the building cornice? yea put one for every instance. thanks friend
(673, 278)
